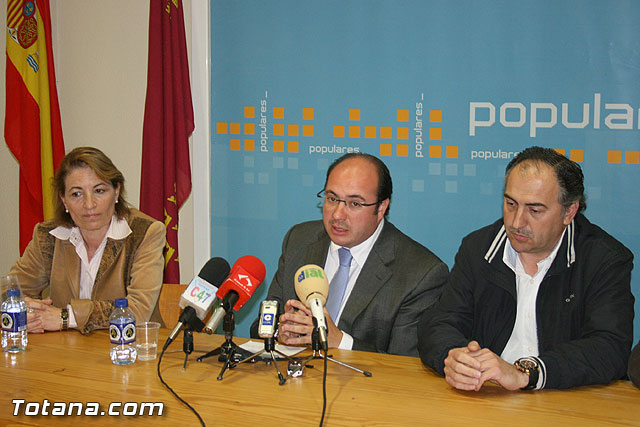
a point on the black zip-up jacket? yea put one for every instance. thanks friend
(584, 306)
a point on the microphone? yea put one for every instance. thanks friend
(268, 319)
(312, 288)
(246, 275)
(200, 295)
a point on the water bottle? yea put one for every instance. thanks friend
(122, 329)
(14, 322)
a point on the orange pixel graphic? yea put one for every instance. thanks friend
(234, 128)
(576, 155)
(307, 113)
(632, 157)
(614, 156)
(369, 131)
(402, 115)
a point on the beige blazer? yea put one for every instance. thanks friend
(131, 267)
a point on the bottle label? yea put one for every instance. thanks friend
(14, 322)
(122, 333)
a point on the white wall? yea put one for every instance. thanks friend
(100, 49)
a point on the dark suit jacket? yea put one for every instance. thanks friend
(634, 366)
(400, 279)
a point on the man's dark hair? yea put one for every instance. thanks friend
(568, 173)
(385, 186)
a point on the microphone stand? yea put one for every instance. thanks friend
(187, 345)
(227, 352)
(317, 354)
(269, 348)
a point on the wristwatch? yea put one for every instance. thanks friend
(64, 317)
(530, 367)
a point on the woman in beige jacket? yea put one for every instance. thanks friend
(96, 249)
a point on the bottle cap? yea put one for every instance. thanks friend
(13, 292)
(122, 302)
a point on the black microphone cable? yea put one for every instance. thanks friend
(324, 388)
(174, 393)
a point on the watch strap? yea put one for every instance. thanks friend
(64, 319)
(530, 367)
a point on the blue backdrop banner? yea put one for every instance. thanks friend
(444, 92)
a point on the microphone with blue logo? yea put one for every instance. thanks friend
(312, 288)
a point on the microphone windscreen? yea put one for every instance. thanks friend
(215, 271)
(246, 275)
(253, 266)
(310, 281)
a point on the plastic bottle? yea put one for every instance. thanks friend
(122, 329)
(14, 322)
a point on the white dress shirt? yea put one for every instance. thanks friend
(359, 253)
(118, 229)
(524, 337)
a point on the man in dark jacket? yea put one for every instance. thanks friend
(541, 298)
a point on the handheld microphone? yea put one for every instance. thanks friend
(200, 296)
(268, 319)
(312, 288)
(246, 275)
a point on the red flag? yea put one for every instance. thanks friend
(32, 126)
(168, 122)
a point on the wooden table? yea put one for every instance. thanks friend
(69, 367)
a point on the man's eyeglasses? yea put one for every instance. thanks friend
(352, 204)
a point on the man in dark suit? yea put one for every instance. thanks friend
(539, 299)
(391, 278)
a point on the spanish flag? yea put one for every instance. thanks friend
(32, 125)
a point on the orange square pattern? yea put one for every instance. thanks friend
(614, 156)
(385, 149)
(278, 129)
(249, 128)
(338, 131)
(234, 128)
(354, 131)
(385, 132)
(402, 150)
(354, 114)
(559, 150)
(307, 113)
(278, 112)
(403, 133)
(577, 155)
(435, 151)
(403, 115)
(369, 131)
(293, 130)
(292, 147)
(435, 133)
(307, 130)
(278, 146)
(632, 157)
(452, 152)
(435, 116)
(249, 145)
(249, 112)
(234, 144)
(221, 127)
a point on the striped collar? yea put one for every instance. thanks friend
(501, 237)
